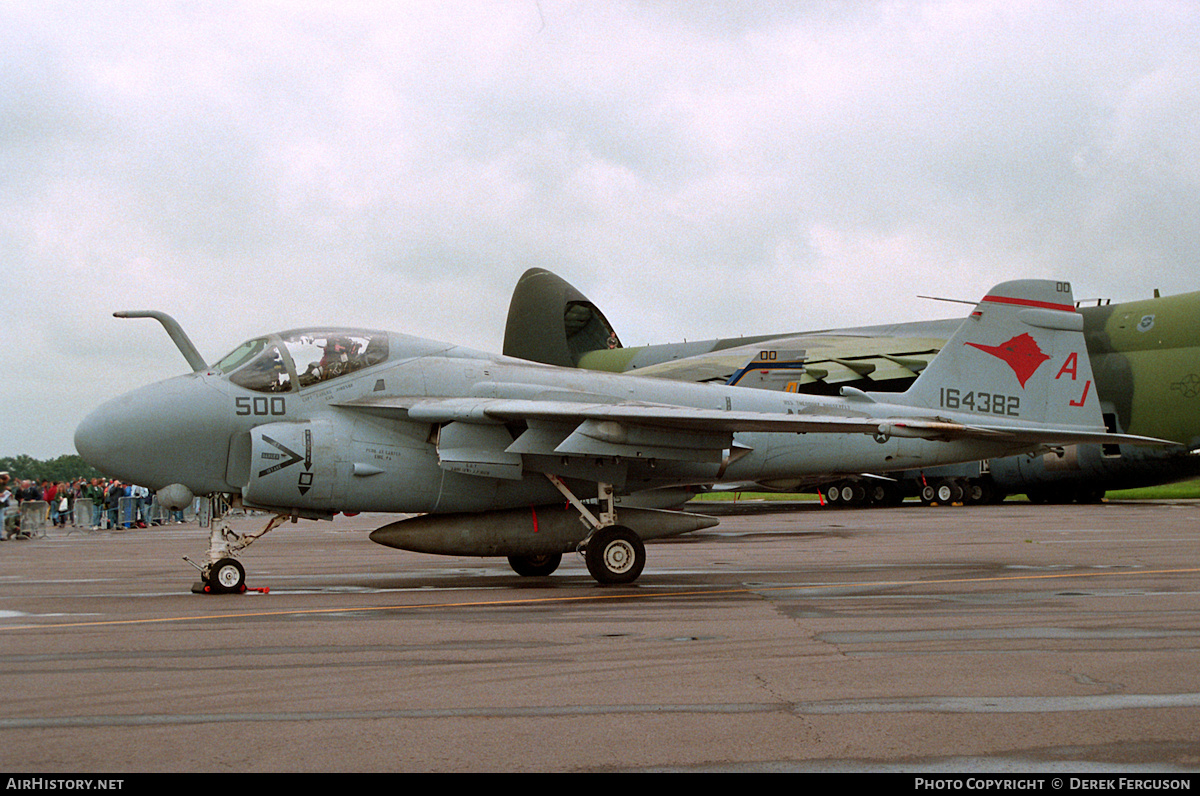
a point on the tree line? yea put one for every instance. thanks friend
(64, 468)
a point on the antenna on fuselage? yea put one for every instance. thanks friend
(175, 331)
(950, 300)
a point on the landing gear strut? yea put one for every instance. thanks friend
(614, 554)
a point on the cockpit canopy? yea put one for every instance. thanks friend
(302, 358)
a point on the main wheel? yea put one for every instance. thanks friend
(980, 491)
(948, 492)
(886, 494)
(615, 555)
(535, 566)
(227, 577)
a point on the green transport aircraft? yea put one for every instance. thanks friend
(1145, 356)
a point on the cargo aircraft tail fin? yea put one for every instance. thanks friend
(551, 322)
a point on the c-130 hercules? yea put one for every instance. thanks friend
(310, 422)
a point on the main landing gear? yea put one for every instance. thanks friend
(613, 553)
(221, 573)
(535, 566)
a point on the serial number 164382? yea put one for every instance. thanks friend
(993, 403)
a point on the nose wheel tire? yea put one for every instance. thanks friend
(227, 577)
(615, 555)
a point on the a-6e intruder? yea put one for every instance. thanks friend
(503, 457)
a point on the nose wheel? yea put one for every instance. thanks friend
(227, 576)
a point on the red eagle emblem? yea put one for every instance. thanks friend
(1022, 354)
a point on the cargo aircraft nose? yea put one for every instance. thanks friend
(175, 431)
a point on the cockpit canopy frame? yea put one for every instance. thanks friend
(302, 358)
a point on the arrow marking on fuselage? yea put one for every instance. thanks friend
(293, 457)
(306, 477)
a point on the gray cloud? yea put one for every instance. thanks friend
(697, 169)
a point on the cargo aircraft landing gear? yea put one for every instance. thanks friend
(613, 553)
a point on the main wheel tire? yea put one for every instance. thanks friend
(227, 577)
(988, 494)
(884, 494)
(535, 566)
(948, 492)
(615, 555)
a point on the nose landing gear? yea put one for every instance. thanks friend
(222, 573)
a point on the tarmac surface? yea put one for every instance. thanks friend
(790, 638)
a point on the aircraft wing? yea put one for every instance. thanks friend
(667, 431)
(831, 359)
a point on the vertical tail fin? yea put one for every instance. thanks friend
(550, 321)
(1020, 355)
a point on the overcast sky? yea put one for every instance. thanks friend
(698, 169)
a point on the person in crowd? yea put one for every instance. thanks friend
(29, 491)
(60, 505)
(141, 497)
(112, 502)
(10, 518)
(94, 492)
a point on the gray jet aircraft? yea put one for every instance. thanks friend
(495, 453)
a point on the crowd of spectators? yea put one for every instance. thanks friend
(60, 498)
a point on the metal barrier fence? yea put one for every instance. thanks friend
(33, 517)
(158, 514)
(81, 513)
(128, 512)
(9, 521)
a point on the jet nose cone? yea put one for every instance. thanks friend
(98, 438)
(171, 432)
